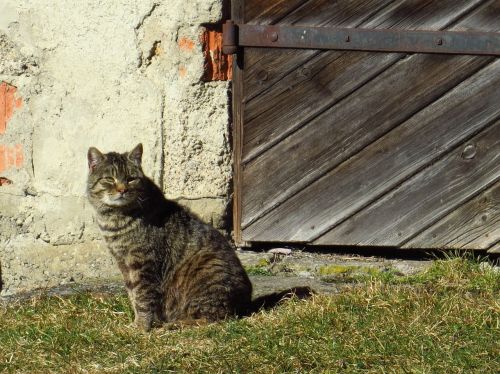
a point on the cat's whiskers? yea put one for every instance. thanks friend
(140, 201)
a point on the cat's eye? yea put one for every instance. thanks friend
(108, 179)
(132, 180)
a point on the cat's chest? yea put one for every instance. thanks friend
(120, 231)
(123, 235)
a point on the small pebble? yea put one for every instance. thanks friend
(280, 251)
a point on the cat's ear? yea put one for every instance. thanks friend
(94, 157)
(136, 154)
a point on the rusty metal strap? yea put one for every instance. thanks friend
(446, 42)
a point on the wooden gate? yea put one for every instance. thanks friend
(356, 147)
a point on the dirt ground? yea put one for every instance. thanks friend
(276, 269)
(280, 268)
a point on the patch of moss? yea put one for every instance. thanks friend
(350, 273)
(261, 268)
(336, 270)
(263, 262)
(257, 270)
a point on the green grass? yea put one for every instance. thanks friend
(261, 268)
(445, 320)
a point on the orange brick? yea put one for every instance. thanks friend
(11, 156)
(8, 103)
(218, 66)
(186, 44)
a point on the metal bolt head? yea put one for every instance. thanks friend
(306, 72)
(274, 36)
(262, 75)
(469, 152)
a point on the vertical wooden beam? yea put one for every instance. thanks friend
(237, 8)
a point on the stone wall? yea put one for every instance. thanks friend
(109, 74)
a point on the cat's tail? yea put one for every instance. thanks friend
(271, 300)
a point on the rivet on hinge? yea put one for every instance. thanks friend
(274, 36)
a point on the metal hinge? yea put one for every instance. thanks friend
(355, 39)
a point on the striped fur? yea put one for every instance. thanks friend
(175, 267)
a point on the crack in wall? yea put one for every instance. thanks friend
(162, 141)
(146, 16)
(137, 28)
(178, 198)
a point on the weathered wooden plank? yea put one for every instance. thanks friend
(237, 9)
(382, 165)
(495, 248)
(474, 225)
(344, 129)
(273, 64)
(407, 13)
(276, 113)
(316, 85)
(299, 159)
(341, 13)
(426, 197)
(268, 12)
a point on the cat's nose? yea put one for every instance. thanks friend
(121, 188)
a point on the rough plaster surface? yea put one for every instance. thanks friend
(107, 74)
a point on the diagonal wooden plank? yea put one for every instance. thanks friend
(319, 82)
(268, 12)
(427, 196)
(382, 165)
(345, 129)
(474, 225)
(406, 15)
(495, 248)
(278, 112)
(273, 64)
(341, 13)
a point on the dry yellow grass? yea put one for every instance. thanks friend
(446, 320)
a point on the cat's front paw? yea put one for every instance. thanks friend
(144, 321)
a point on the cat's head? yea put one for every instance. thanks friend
(115, 180)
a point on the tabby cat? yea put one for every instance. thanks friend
(175, 267)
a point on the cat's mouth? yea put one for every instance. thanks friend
(117, 200)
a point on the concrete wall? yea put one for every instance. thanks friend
(109, 74)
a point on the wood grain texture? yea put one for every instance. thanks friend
(386, 168)
(495, 248)
(273, 116)
(425, 198)
(269, 12)
(474, 225)
(343, 13)
(382, 165)
(352, 124)
(237, 11)
(274, 64)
